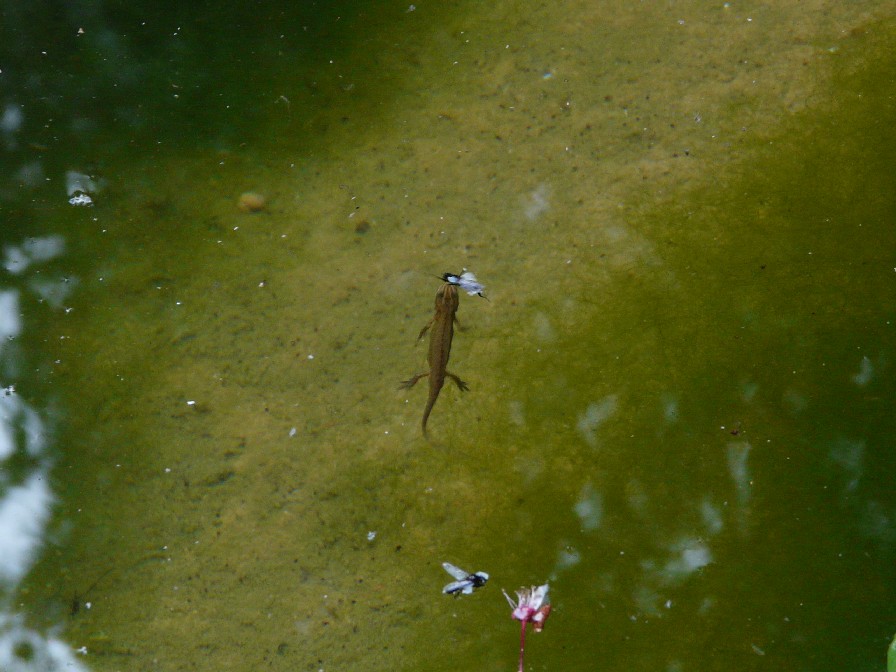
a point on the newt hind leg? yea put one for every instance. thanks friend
(462, 386)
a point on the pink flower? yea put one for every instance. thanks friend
(531, 607)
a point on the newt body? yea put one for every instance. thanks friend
(441, 333)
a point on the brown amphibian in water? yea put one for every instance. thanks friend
(441, 332)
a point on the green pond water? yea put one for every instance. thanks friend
(680, 411)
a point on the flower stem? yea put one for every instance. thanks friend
(522, 642)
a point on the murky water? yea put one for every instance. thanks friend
(681, 384)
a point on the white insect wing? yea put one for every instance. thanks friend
(467, 282)
(455, 571)
(465, 587)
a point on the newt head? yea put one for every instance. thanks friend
(446, 300)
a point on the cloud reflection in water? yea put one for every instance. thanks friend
(26, 500)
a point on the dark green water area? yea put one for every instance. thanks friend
(680, 412)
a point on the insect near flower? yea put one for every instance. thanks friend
(466, 281)
(466, 583)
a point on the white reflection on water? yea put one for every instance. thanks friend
(680, 561)
(24, 650)
(849, 454)
(538, 202)
(670, 409)
(10, 322)
(737, 454)
(589, 508)
(568, 556)
(594, 416)
(865, 374)
(76, 182)
(17, 258)
(26, 500)
(688, 555)
(16, 415)
(683, 558)
(711, 516)
(10, 124)
(24, 513)
(53, 291)
(877, 524)
(80, 187)
(31, 174)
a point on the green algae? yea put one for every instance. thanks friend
(664, 418)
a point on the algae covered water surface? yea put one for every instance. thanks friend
(680, 396)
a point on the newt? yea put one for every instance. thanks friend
(441, 328)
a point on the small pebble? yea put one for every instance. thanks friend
(251, 201)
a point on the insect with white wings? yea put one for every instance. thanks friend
(465, 582)
(466, 281)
